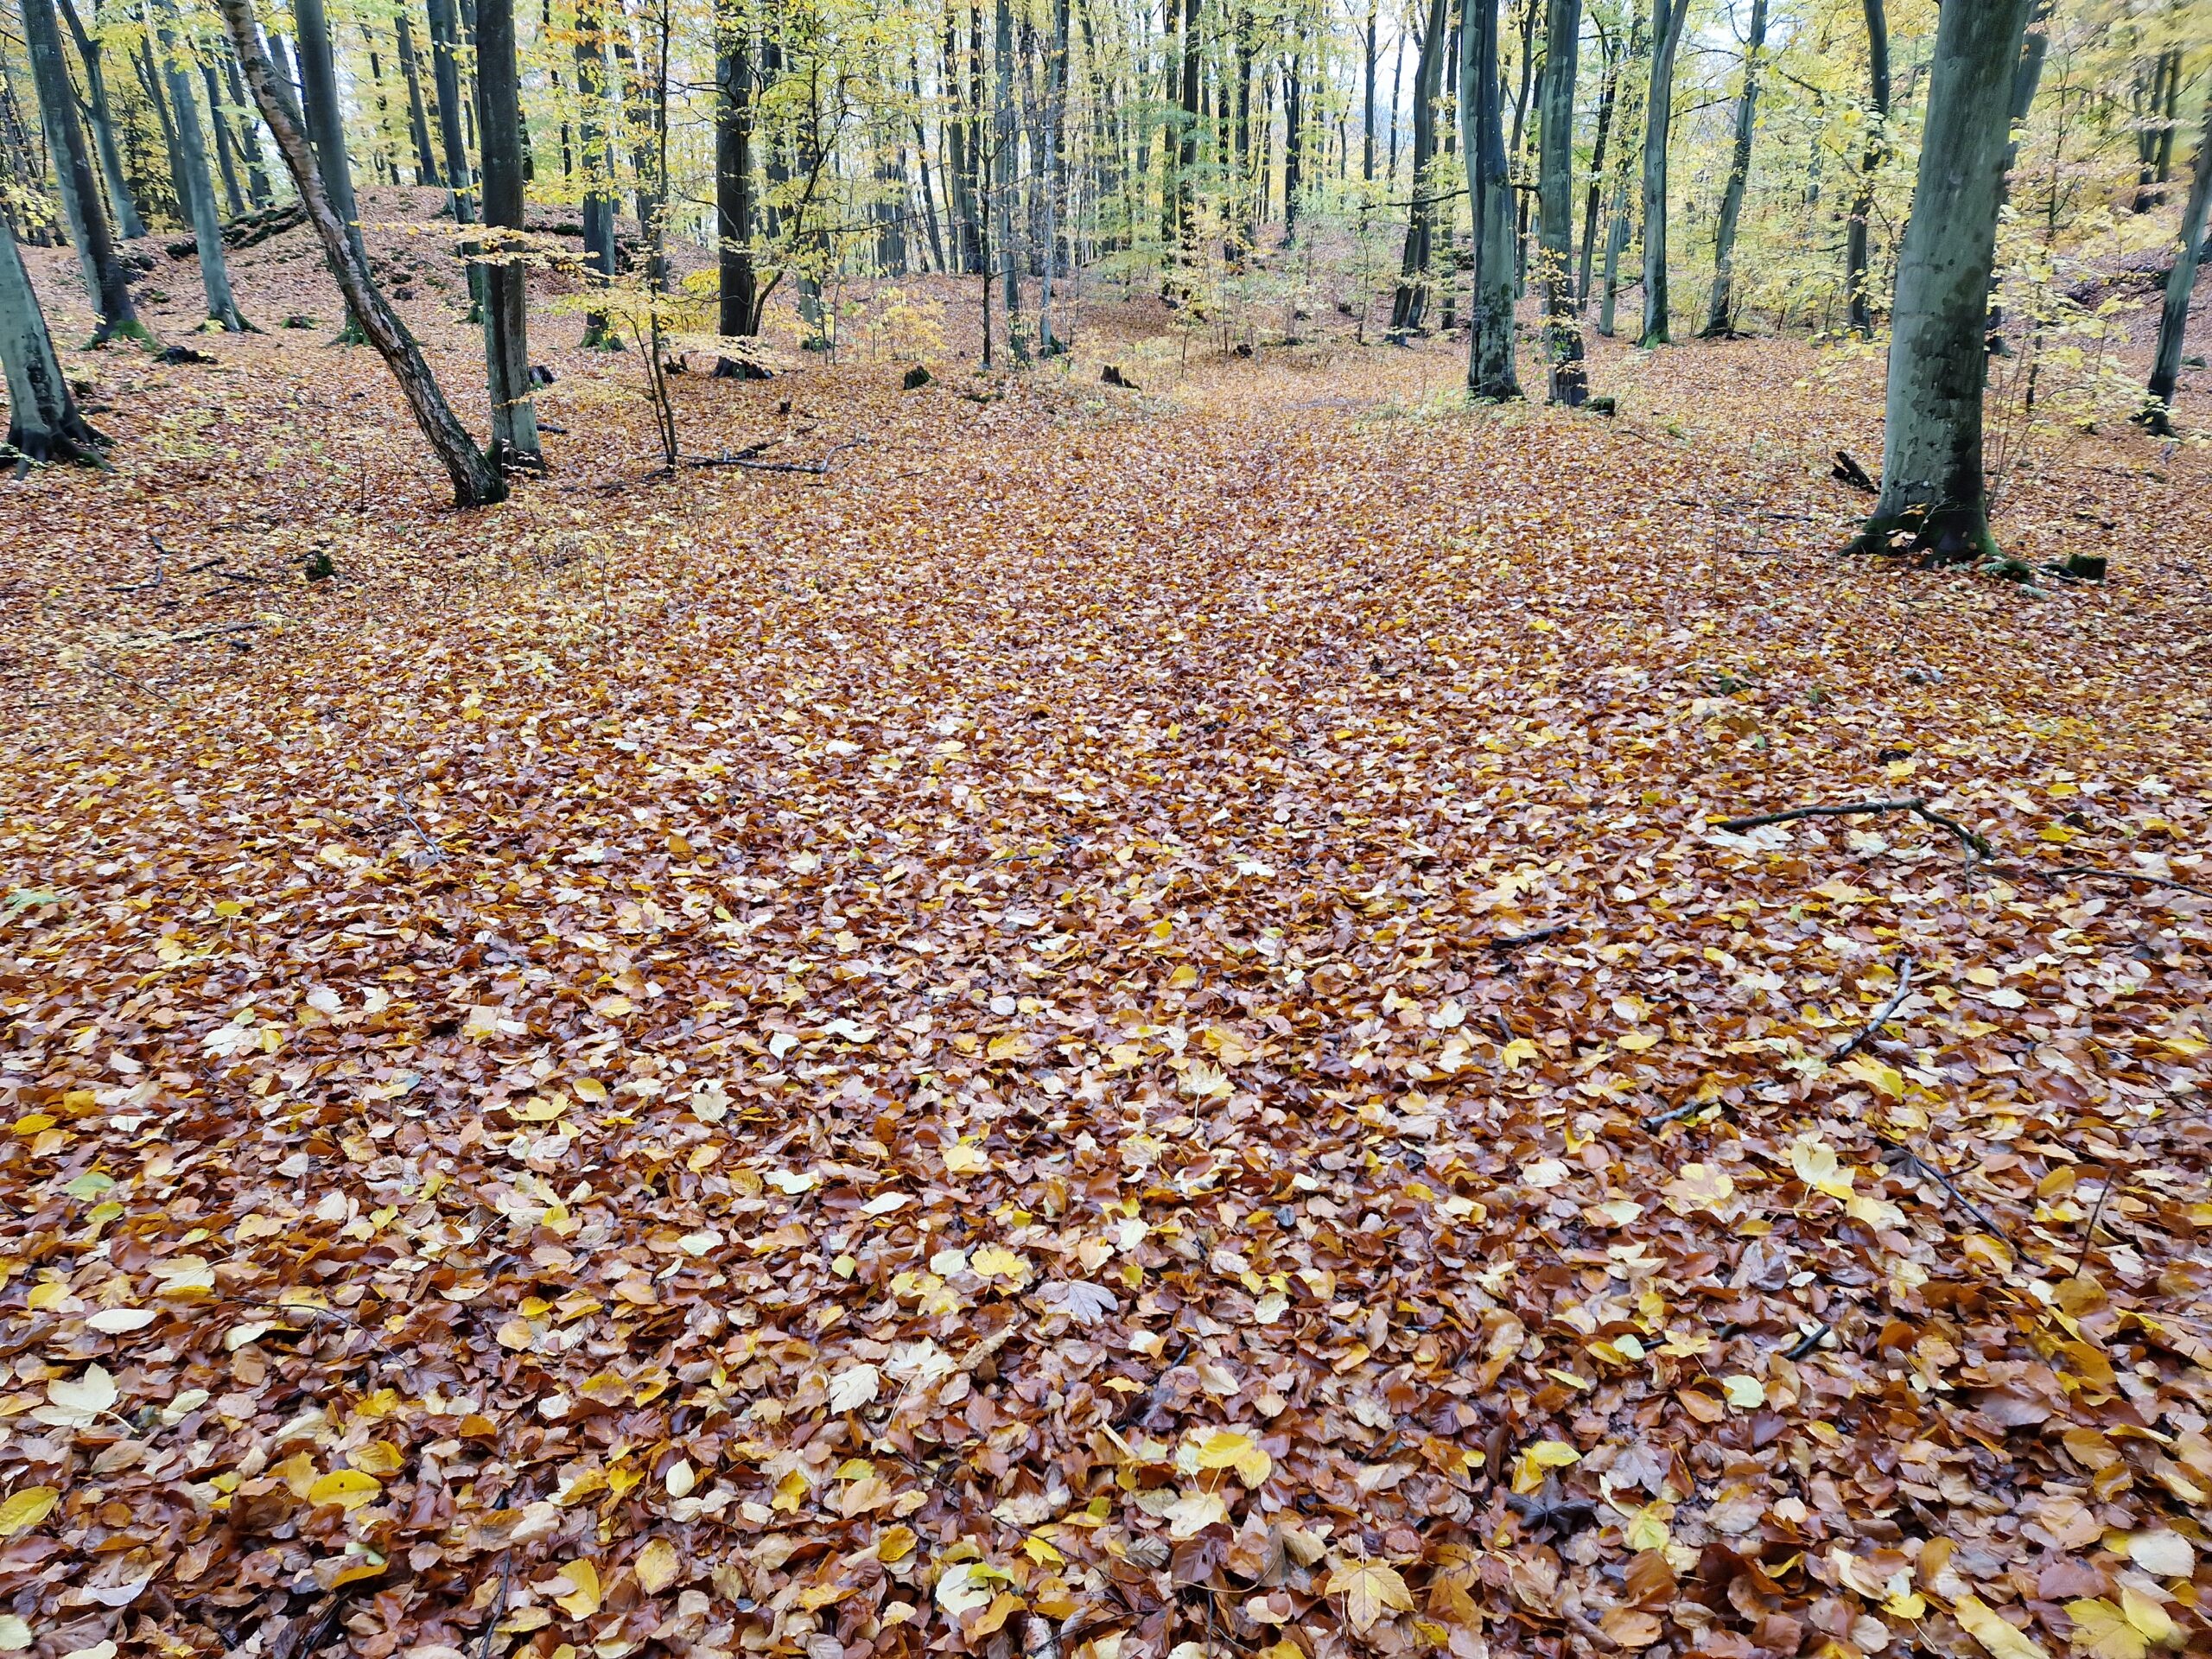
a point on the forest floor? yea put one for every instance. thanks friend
(1121, 1023)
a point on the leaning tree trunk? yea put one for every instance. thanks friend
(1934, 497)
(1608, 98)
(475, 480)
(1658, 117)
(43, 423)
(2181, 281)
(194, 186)
(257, 174)
(224, 144)
(128, 225)
(1878, 153)
(1718, 313)
(1489, 191)
(1570, 380)
(104, 273)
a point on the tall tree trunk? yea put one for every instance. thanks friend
(2181, 282)
(1608, 97)
(1719, 312)
(325, 115)
(1368, 43)
(1410, 303)
(1489, 191)
(1658, 118)
(105, 275)
(1056, 97)
(193, 185)
(1294, 123)
(1186, 145)
(1398, 79)
(225, 157)
(445, 77)
(1170, 100)
(506, 308)
(418, 115)
(1005, 157)
(732, 167)
(1243, 209)
(475, 480)
(1876, 157)
(257, 171)
(128, 225)
(921, 157)
(2027, 75)
(598, 166)
(43, 423)
(1934, 497)
(1569, 382)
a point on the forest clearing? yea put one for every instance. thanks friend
(1206, 992)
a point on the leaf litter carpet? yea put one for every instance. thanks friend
(1117, 1026)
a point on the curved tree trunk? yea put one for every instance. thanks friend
(1658, 118)
(43, 423)
(1490, 313)
(1720, 314)
(475, 480)
(192, 186)
(104, 273)
(2181, 282)
(1569, 381)
(1934, 497)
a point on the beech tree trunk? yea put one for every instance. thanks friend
(506, 308)
(193, 187)
(43, 423)
(1878, 153)
(104, 275)
(1608, 98)
(234, 198)
(1490, 189)
(733, 170)
(128, 225)
(1409, 305)
(257, 172)
(475, 480)
(418, 113)
(1719, 312)
(1658, 118)
(1934, 497)
(445, 81)
(1569, 381)
(2181, 282)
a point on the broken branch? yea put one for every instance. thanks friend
(1913, 804)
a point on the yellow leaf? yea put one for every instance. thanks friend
(1013, 1046)
(1224, 1448)
(996, 1261)
(1636, 1041)
(1887, 1078)
(348, 1488)
(583, 1601)
(2000, 1639)
(1518, 1053)
(1745, 1393)
(655, 1566)
(1004, 1605)
(896, 1545)
(1370, 1589)
(1816, 1165)
(2164, 1553)
(25, 1509)
(2148, 1617)
(1192, 1513)
(2101, 1630)
(963, 1158)
(377, 1458)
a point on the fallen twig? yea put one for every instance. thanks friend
(1678, 1114)
(1806, 1344)
(815, 468)
(187, 638)
(1845, 1051)
(1515, 941)
(2141, 877)
(1965, 1203)
(2090, 1236)
(153, 580)
(1913, 804)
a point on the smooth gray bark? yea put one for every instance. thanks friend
(1410, 305)
(506, 309)
(2181, 282)
(43, 423)
(476, 482)
(418, 110)
(1667, 19)
(1934, 497)
(193, 187)
(128, 225)
(1482, 142)
(234, 198)
(1569, 381)
(1720, 312)
(104, 275)
(325, 115)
